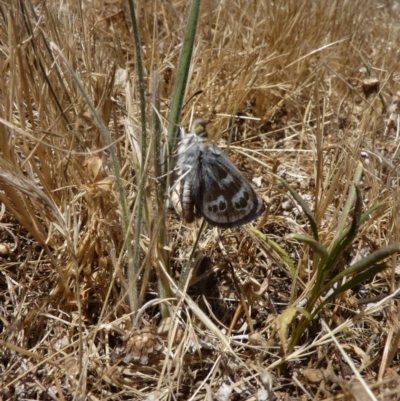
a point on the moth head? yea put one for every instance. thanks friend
(199, 127)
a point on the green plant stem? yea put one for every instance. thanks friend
(178, 97)
(183, 73)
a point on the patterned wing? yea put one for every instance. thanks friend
(222, 195)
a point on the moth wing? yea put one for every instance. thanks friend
(222, 195)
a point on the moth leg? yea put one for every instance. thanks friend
(177, 177)
(174, 199)
(197, 213)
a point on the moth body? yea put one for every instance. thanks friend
(189, 152)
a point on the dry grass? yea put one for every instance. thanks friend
(300, 69)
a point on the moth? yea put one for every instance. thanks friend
(211, 186)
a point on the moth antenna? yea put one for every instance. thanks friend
(181, 133)
(199, 92)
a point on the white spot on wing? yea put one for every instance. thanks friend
(239, 195)
(217, 201)
(218, 216)
(227, 180)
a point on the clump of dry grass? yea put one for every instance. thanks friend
(303, 77)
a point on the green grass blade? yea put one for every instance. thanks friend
(183, 73)
(365, 263)
(316, 246)
(285, 258)
(358, 279)
(351, 199)
(345, 239)
(366, 215)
